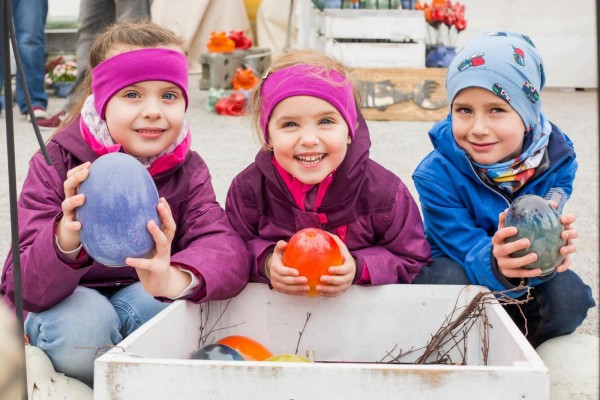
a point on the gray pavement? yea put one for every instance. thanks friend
(227, 145)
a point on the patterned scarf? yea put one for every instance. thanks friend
(511, 175)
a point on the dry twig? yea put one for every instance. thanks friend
(452, 334)
(308, 314)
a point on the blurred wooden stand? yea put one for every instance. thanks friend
(402, 94)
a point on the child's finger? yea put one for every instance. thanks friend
(166, 217)
(282, 270)
(340, 270)
(506, 249)
(566, 264)
(71, 203)
(163, 245)
(336, 280)
(567, 219)
(502, 234)
(78, 169)
(569, 234)
(331, 290)
(141, 263)
(292, 289)
(502, 219)
(570, 248)
(518, 262)
(521, 273)
(290, 280)
(72, 226)
(71, 184)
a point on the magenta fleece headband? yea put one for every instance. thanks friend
(152, 64)
(307, 80)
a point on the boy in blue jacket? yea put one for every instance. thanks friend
(496, 145)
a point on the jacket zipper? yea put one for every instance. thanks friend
(486, 185)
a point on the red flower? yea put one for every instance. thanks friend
(460, 25)
(452, 15)
(242, 42)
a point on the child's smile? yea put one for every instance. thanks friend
(150, 133)
(310, 159)
(309, 137)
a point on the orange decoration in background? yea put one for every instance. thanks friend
(312, 251)
(244, 79)
(220, 43)
(250, 349)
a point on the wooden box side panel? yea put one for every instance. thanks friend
(258, 381)
(418, 86)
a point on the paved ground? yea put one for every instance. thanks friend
(228, 146)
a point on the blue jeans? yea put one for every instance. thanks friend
(84, 325)
(30, 21)
(558, 307)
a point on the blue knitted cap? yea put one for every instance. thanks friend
(505, 63)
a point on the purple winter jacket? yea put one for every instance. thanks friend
(369, 204)
(204, 242)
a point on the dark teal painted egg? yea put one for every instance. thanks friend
(120, 200)
(536, 220)
(217, 352)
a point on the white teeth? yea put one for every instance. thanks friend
(312, 159)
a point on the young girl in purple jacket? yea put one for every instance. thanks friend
(314, 170)
(133, 102)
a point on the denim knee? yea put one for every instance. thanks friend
(566, 299)
(558, 307)
(75, 331)
(442, 271)
(134, 307)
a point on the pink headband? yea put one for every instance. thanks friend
(152, 64)
(307, 80)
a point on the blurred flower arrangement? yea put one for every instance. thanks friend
(220, 42)
(59, 70)
(445, 19)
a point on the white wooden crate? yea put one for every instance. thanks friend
(393, 25)
(349, 334)
(375, 55)
(364, 38)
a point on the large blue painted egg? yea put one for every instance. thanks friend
(536, 220)
(217, 352)
(120, 200)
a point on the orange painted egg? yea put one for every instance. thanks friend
(249, 348)
(312, 251)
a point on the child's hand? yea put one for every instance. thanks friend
(569, 234)
(67, 229)
(341, 276)
(512, 267)
(284, 279)
(156, 274)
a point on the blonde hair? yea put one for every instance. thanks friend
(138, 34)
(297, 57)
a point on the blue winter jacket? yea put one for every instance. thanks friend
(460, 211)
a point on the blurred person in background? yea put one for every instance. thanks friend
(94, 17)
